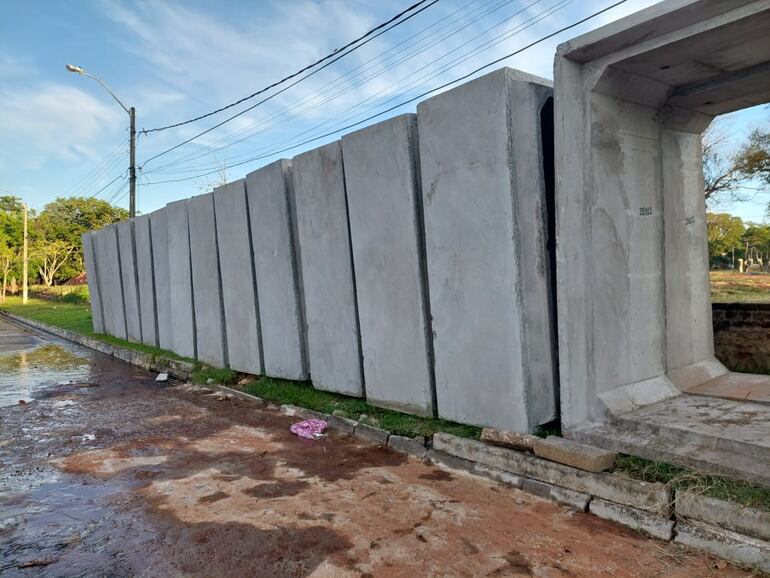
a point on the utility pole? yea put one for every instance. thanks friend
(132, 134)
(25, 258)
(132, 164)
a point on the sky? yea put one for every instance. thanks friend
(61, 134)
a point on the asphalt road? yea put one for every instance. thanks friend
(104, 472)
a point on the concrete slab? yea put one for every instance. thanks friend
(97, 316)
(327, 271)
(239, 287)
(182, 318)
(270, 197)
(483, 177)
(655, 526)
(146, 280)
(129, 276)
(105, 243)
(210, 336)
(572, 453)
(382, 179)
(729, 515)
(161, 276)
(736, 386)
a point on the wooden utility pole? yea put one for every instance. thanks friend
(25, 259)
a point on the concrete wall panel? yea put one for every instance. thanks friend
(484, 193)
(273, 231)
(182, 317)
(97, 316)
(211, 343)
(385, 207)
(110, 282)
(161, 276)
(130, 278)
(145, 279)
(327, 271)
(239, 288)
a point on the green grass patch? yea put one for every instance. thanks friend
(681, 478)
(203, 374)
(304, 395)
(62, 312)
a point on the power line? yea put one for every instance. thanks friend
(305, 69)
(287, 116)
(100, 168)
(123, 174)
(412, 99)
(347, 117)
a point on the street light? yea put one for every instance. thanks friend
(132, 132)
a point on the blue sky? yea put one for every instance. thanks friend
(61, 134)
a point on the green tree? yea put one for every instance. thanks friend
(725, 233)
(56, 232)
(11, 238)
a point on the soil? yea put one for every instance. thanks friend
(129, 477)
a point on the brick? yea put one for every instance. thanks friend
(639, 520)
(508, 439)
(577, 455)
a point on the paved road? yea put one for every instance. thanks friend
(106, 473)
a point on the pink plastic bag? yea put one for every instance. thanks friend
(310, 429)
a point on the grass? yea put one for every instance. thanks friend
(681, 478)
(734, 287)
(61, 311)
(304, 395)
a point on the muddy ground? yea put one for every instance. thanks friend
(105, 472)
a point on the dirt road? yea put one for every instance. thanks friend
(106, 473)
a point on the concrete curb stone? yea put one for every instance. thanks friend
(406, 445)
(724, 543)
(571, 498)
(371, 433)
(575, 454)
(633, 518)
(744, 520)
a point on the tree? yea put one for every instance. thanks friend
(720, 173)
(7, 260)
(753, 160)
(11, 238)
(65, 220)
(51, 256)
(725, 233)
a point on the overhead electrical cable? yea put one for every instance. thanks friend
(414, 98)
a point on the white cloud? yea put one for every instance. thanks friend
(56, 120)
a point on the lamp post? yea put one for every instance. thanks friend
(132, 132)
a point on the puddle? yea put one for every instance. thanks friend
(23, 372)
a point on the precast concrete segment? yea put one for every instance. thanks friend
(239, 288)
(97, 317)
(105, 243)
(485, 235)
(211, 344)
(182, 317)
(634, 319)
(146, 280)
(128, 272)
(161, 276)
(385, 209)
(270, 196)
(327, 271)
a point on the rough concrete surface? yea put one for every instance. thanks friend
(239, 286)
(130, 280)
(577, 500)
(105, 243)
(725, 544)
(105, 472)
(327, 271)
(382, 179)
(182, 316)
(161, 276)
(655, 526)
(270, 195)
(508, 439)
(577, 455)
(653, 498)
(744, 520)
(89, 259)
(145, 280)
(210, 335)
(484, 204)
